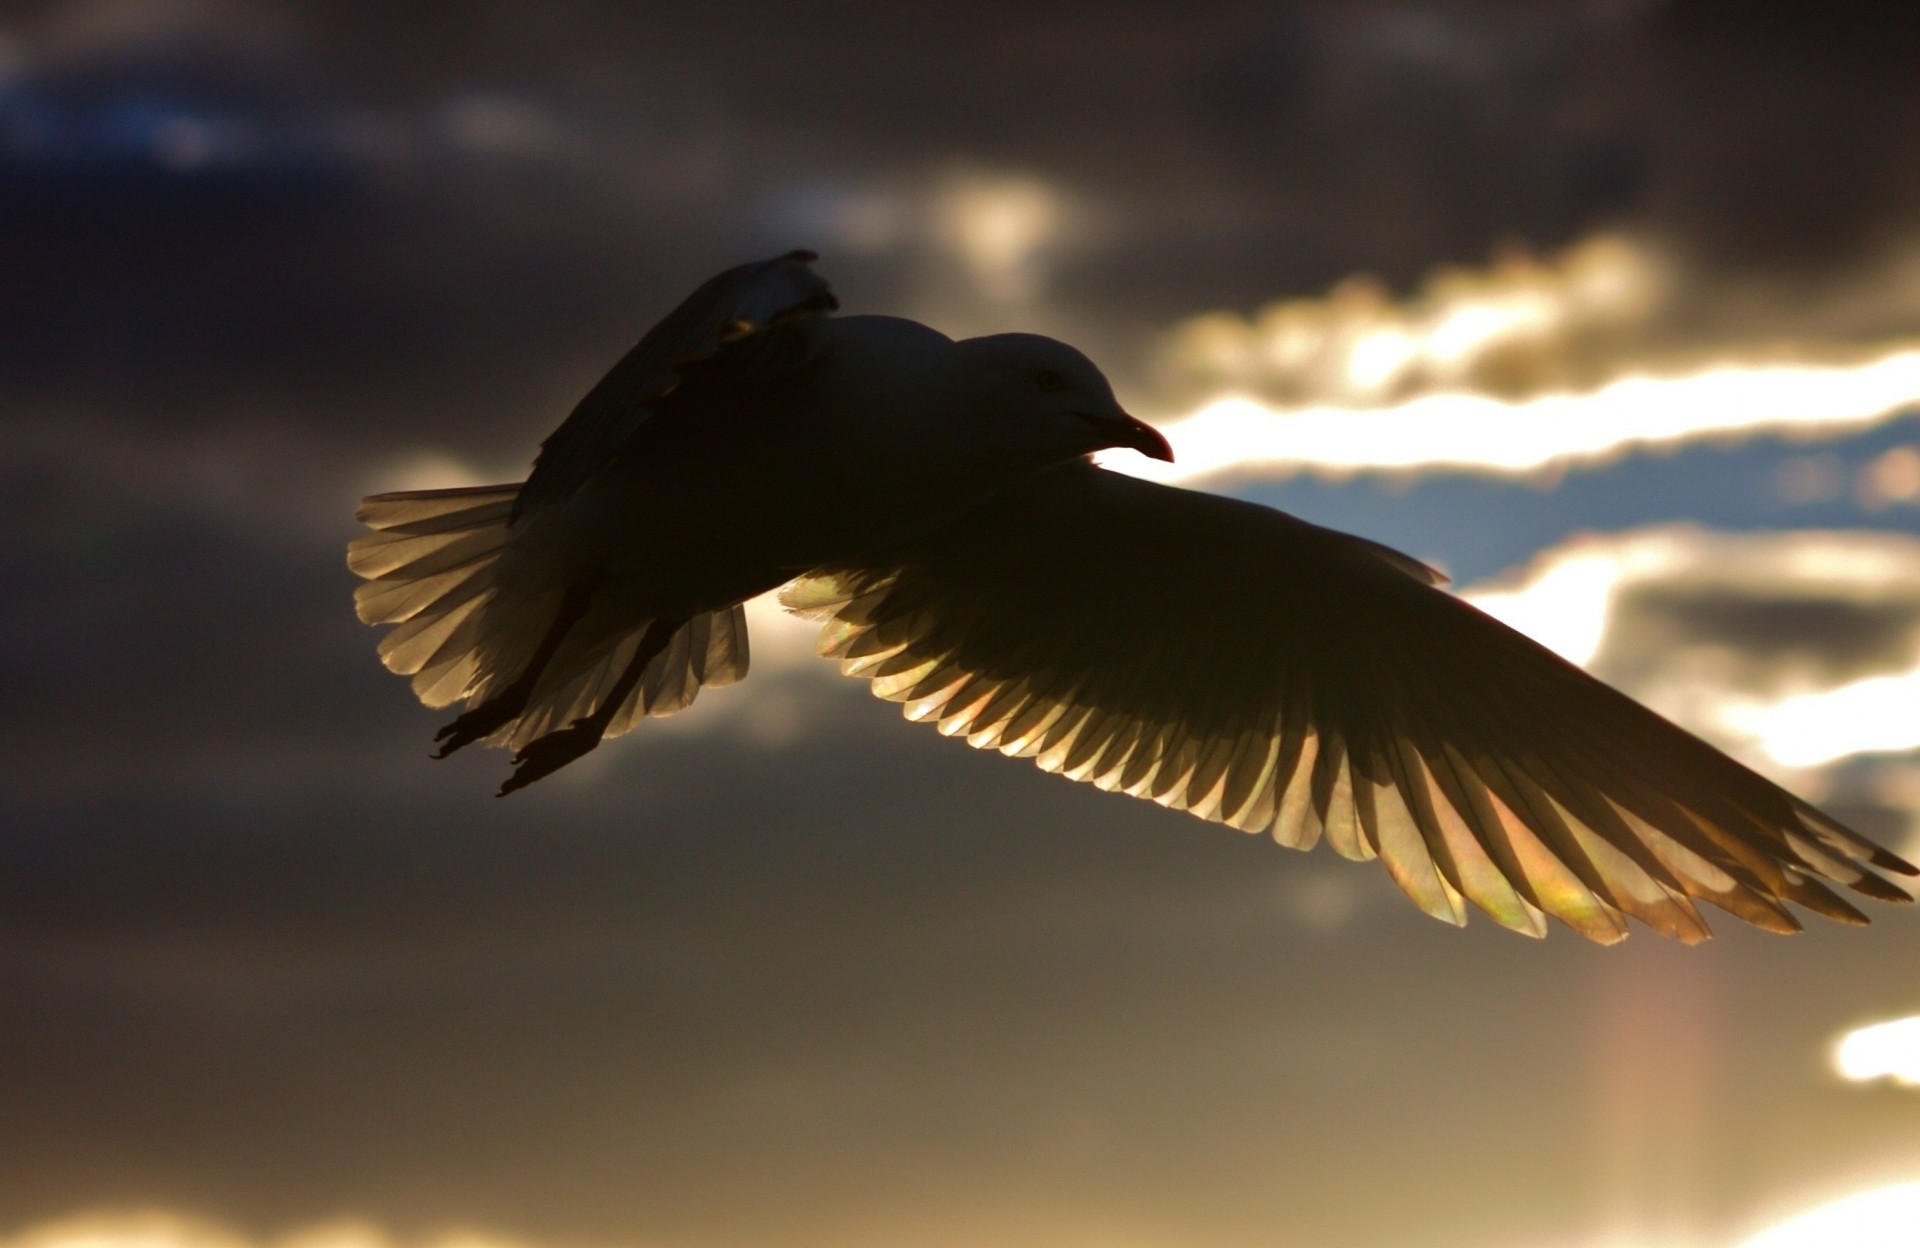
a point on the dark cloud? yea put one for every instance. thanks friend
(446, 220)
(1777, 134)
(1837, 641)
(1762, 615)
(142, 633)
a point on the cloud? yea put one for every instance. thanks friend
(1884, 1217)
(1519, 327)
(1796, 651)
(159, 1228)
(1885, 1050)
(1468, 432)
(487, 210)
(1528, 367)
(1713, 627)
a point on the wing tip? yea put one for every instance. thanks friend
(1887, 860)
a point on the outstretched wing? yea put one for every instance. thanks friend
(755, 316)
(1235, 662)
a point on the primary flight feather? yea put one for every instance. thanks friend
(933, 503)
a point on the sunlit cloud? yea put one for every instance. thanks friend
(156, 1228)
(1878, 715)
(1883, 1217)
(1000, 227)
(1889, 1050)
(1886, 1217)
(981, 244)
(1518, 326)
(1463, 432)
(1798, 649)
(428, 469)
(1566, 597)
(1526, 367)
(148, 1229)
(1891, 479)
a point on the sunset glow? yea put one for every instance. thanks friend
(1788, 706)
(1876, 715)
(1886, 1217)
(1518, 324)
(1476, 432)
(1889, 1050)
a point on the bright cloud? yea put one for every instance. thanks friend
(1565, 598)
(1886, 1217)
(1000, 227)
(1522, 324)
(1889, 1050)
(164, 1229)
(1878, 715)
(1471, 432)
(1525, 366)
(1802, 646)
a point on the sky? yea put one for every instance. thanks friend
(1609, 308)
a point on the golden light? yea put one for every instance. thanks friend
(1889, 1050)
(1886, 1217)
(999, 226)
(159, 1228)
(1892, 478)
(1465, 432)
(1876, 715)
(1528, 365)
(1787, 704)
(433, 469)
(148, 1229)
(1566, 601)
(1520, 324)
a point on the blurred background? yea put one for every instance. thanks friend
(1609, 307)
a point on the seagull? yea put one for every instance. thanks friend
(934, 504)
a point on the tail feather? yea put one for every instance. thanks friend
(400, 597)
(709, 651)
(421, 512)
(429, 566)
(379, 555)
(426, 547)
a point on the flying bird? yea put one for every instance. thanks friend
(933, 503)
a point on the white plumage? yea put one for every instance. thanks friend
(430, 566)
(932, 503)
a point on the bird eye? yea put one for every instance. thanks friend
(1050, 380)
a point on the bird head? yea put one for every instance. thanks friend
(1053, 399)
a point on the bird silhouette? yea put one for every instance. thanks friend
(933, 503)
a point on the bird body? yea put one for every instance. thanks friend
(932, 502)
(740, 483)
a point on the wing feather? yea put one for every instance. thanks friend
(756, 317)
(1234, 662)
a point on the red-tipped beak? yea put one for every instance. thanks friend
(1144, 438)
